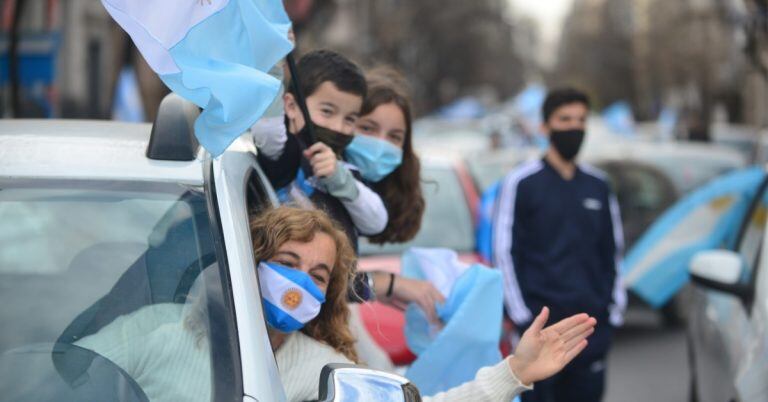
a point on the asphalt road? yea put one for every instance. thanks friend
(648, 362)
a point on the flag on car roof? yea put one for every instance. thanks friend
(657, 265)
(214, 53)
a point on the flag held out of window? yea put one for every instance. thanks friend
(214, 53)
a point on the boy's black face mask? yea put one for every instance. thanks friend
(312, 132)
(337, 141)
(567, 142)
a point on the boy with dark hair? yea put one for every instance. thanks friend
(561, 97)
(558, 239)
(300, 168)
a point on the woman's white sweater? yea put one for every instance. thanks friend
(301, 359)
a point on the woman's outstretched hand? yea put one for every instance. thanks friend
(543, 352)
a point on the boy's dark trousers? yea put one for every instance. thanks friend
(582, 380)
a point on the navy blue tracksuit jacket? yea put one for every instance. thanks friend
(558, 243)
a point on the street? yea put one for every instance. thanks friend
(648, 362)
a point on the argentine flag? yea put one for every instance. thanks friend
(657, 265)
(214, 53)
(472, 313)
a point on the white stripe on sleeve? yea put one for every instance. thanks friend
(619, 293)
(503, 222)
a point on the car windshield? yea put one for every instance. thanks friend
(106, 291)
(487, 173)
(688, 173)
(447, 219)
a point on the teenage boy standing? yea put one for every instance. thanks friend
(557, 239)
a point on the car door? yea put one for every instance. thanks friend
(721, 331)
(751, 363)
(240, 187)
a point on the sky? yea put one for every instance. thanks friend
(550, 15)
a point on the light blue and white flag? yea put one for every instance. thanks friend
(214, 53)
(472, 313)
(619, 118)
(657, 265)
(291, 298)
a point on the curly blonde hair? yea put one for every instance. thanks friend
(273, 228)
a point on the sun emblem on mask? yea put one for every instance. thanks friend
(292, 298)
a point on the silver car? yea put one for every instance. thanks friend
(102, 222)
(728, 323)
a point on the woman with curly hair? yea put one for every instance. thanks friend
(304, 267)
(309, 250)
(308, 327)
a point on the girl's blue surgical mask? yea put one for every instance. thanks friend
(291, 298)
(376, 158)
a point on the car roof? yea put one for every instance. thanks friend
(87, 150)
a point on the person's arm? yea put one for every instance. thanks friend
(400, 291)
(269, 134)
(542, 352)
(367, 210)
(505, 214)
(282, 170)
(365, 207)
(613, 249)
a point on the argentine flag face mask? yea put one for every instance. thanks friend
(291, 298)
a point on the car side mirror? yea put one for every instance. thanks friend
(347, 382)
(720, 270)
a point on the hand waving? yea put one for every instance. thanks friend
(543, 352)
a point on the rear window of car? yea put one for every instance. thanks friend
(447, 220)
(107, 292)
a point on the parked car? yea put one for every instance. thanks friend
(728, 323)
(100, 220)
(448, 222)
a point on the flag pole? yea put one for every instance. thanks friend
(300, 99)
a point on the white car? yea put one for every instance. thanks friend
(728, 323)
(102, 222)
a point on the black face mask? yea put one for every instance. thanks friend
(567, 142)
(334, 139)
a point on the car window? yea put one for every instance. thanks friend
(256, 194)
(447, 220)
(643, 193)
(753, 229)
(109, 292)
(688, 173)
(486, 172)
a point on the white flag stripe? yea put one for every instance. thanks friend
(157, 25)
(158, 58)
(168, 21)
(274, 285)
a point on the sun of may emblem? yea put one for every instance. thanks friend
(292, 298)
